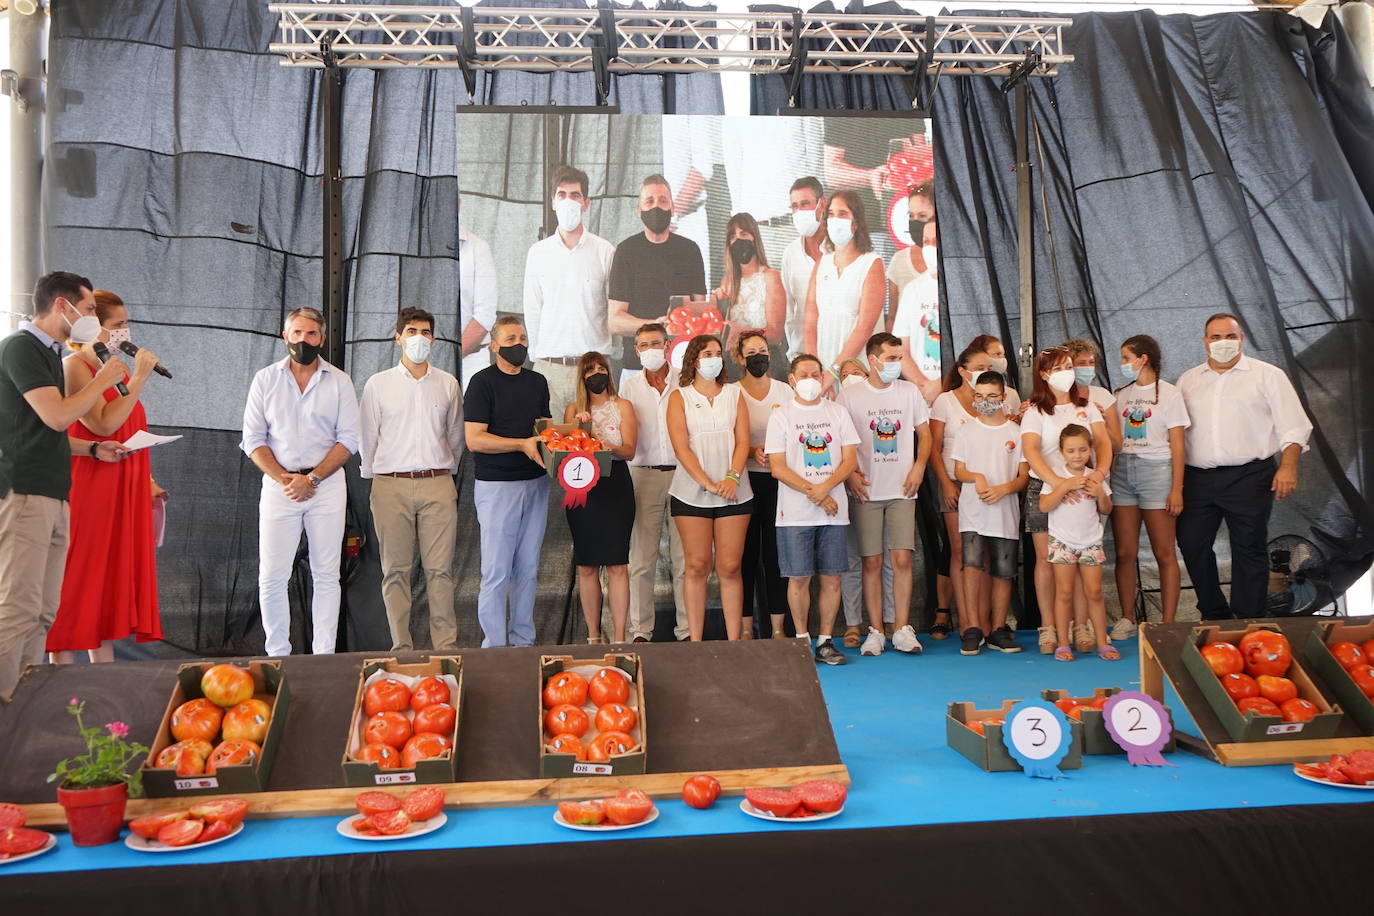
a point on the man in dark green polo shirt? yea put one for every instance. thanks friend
(35, 465)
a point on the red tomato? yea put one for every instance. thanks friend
(226, 685)
(388, 727)
(777, 802)
(701, 791)
(196, 719)
(1347, 653)
(1358, 767)
(566, 720)
(390, 823)
(198, 745)
(15, 841)
(231, 754)
(438, 718)
(587, 812)
(385, 695)
(609, 744)
(180, 833)
(548, 433)
(228, 810)
(1223, 658)
(429, 691)
(384, 755)
(181, 758)
(609, 685)
(1066, 705)
(975, 726)
(11, 816)
(422, 804)
(1276, 689)
(1240, 686)
(822, 795)
(249, 720)
(423, 747)
(615, 717)
(364, 826)
(1100, 703)
(565, 689)
(568, 744)
(1077, 712)
(1363, 676)
(374, 802)
(1261, 706)
(1266, 652)
(214, 830)
(628, 806)
(148, 825)
(1298, 710)
(1368, 649)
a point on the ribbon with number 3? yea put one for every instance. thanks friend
(577, 473)
(1038, 737)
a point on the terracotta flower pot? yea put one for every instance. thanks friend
(94, 815)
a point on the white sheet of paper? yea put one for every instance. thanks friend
(145, 439)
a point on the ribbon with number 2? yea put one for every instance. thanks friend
(577, 474)
(1138, 723)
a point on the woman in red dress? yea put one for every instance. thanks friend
(109, 591)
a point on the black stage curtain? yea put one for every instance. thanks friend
(1183, 166)
(184, 173)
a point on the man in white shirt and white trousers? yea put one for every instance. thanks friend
(299, 427)
(1244, 411)
(476, 301)
(412, 438)
(565, 291)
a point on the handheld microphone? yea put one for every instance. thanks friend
(129, 348)
(102, 353)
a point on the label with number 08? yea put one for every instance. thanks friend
(1038, 737)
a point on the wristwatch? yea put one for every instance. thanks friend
(95, 444)
(315, 481)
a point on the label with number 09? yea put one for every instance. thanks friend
(1038, 737)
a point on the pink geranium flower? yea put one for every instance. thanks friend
(117, 729)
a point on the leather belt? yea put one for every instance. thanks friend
(303, 472)
(559, 360)
(417, 475)
(661, 467)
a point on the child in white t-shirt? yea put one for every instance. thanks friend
(987, 456)
(1075, 508)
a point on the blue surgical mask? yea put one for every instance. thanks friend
(1084, 375)
(890, 371)
(1129, 372)
(708, 367)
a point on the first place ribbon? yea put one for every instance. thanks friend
(577, 474)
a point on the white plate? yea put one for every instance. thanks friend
(52, 841)
(416, 828)
(138, 844)
(765, 816)
(1326, 782)
(600, 828)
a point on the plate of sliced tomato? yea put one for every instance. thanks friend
(19, 843)
(1344, 771)
(369, 827)
(183, 835)
(793, 818)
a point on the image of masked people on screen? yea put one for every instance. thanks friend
(915, 268)
(807, 202)
(476, 299)
(750, 295)
(651, 266)
(844, 303)
(565, 290)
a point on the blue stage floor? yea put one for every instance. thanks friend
(889, 719)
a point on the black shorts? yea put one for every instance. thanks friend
(677, 507)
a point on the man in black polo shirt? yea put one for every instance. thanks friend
(511, 490)
(35, 465)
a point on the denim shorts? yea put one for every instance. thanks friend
(1141, 482)
(994, 556)
(812, 550)
(1036, 520)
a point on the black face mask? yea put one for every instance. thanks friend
(657, 219)
(515, 354)
(917, 228)
(757, 364)
(304, 353)
(742, 250)
(597, 382)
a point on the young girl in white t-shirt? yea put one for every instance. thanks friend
(1076, 505)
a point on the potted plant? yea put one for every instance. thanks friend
(95, 785)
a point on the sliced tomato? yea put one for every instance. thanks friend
(15, 841)
(215, 830)
(777, 802)
(822, 795)
(364, 826)
(628, 806)
(422, 804)
(148, 825)
(1359, 767)
(370, 803)
(11, 816)
(229, 810)
(180, 833)
(390, 823)
(585, 813)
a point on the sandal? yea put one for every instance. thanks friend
(1108, 653)
(852, 637)
(940, 630)
(1063, 654)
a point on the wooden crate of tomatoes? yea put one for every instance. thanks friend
(977, 734)
(404, 726)
(1088, 710)
(591, 716)
(1341, 653)
(220, 731)
(1258, 690)
(559, 439)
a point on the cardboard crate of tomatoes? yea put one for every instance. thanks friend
(560, 439)
(220, 731)
(1341, 653)
(1258, 690)
(592, 716)
(1088, 710)
(404, 727)
(977, 734)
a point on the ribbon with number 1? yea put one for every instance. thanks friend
(1038, 737)
(577, 474)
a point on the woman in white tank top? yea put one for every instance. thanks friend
(844, 305)
(711, 499)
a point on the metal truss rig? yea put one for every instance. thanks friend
(608, 40)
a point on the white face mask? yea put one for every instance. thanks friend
(417, 348)
(708, 367)
(569, 213)
(931, 257)
(1223, 351)
(839, 230)
(652, 360)
(852, 379)
(805, 222)
(118, 336)
(808, 389)
(998, 365)
(1062, 380)
(85, 330)
(890, 371)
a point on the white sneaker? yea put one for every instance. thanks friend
(1123, 629)
(874, 644)
(904, 640)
